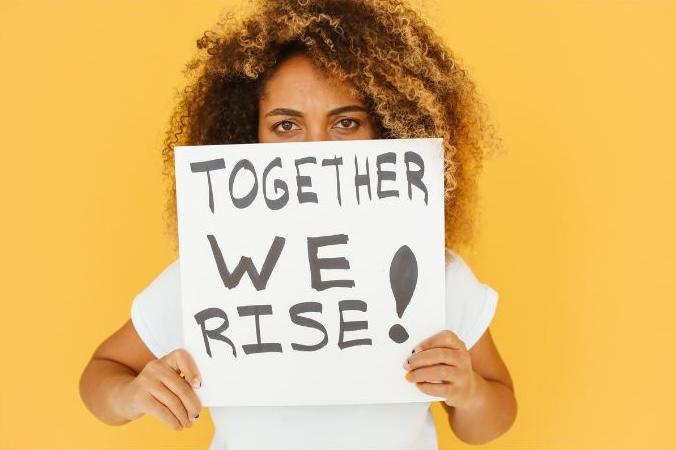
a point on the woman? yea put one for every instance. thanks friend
(325, 70)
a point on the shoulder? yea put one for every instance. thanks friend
(470, 303)
(167, 277)
(460, 279)
(156, 311)
(457, 267)
(163, 290)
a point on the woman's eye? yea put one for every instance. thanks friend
(346, 123)
(285, 124)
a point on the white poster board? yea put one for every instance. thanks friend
(290, 257)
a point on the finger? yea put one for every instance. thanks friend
(183, 390)
(171, 401)
(441, 373)
(444, 338)
(433, 356)
(436, 389)
(183, 363)
(158, 410)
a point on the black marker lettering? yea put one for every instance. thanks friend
(259, 280)
(414, 177)
(258, 347)
(317, 264)
(305, 181)
(356, 305)
(384, 158)
(206, 314)
(295, 312)
(208, 166)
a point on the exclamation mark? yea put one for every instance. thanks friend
(403, 278)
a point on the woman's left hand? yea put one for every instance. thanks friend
(441, 366)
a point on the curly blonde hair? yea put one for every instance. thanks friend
(412, 84)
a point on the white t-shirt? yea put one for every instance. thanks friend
(470, 307)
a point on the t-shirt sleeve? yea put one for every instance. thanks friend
(156, 312)
(470, 304)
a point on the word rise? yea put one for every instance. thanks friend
(295, 312)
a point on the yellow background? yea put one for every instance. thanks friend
(577, 226)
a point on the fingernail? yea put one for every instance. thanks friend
(406, 364)
(196, 383)
(409, 376)
(196, 417)
(412, 351)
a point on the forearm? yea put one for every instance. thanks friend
(99, 384)
(491, 415)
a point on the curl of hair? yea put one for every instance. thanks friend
(412, 83)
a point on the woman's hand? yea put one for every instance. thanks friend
(441, 365)
(163, 389)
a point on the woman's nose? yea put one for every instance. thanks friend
(317, 133)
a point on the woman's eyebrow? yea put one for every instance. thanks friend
(333, 112)
(347, 108)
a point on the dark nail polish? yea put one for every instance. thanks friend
(412, 351)
(196, 417)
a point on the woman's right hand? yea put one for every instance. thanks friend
(163, 389)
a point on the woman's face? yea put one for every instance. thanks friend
(300, 104)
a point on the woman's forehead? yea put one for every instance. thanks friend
(298, 79)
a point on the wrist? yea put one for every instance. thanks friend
(475, 394)
(118, 398)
